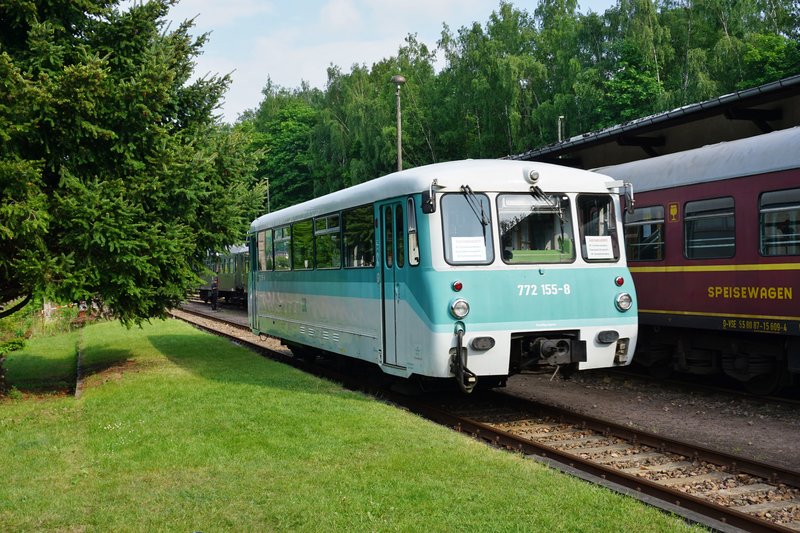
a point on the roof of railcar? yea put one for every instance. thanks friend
(770, 152)
(479, 174)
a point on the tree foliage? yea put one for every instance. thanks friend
(499, 88)
(116, 177)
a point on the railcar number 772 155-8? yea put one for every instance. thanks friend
(468, 270)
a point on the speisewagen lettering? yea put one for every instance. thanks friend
(751, 293)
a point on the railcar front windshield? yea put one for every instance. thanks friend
(535, 229)
(467, 223)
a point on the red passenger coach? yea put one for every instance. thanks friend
(714, 249)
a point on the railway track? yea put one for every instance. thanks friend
(208, 315)
(717, 489)
(722, 491)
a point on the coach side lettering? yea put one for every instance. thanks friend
(750, 293)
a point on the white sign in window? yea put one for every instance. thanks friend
(599, 247)
(468, 249)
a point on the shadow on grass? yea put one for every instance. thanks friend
(39, 374)
(106, 364)
(217, 359)
(33, 373)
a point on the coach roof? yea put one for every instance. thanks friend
(770, 152)
(479, 174)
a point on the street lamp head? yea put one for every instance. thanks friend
(398, 79)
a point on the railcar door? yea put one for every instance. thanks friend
(393, 278)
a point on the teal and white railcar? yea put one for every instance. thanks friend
(473, 270)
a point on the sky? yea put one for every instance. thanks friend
(297, 40)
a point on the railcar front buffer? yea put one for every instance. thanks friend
(465, 378)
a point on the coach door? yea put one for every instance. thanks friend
(393, 266)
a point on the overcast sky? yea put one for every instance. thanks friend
(295, 41)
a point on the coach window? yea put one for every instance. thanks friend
(283, 247)
(388, 237)
(644, 234)
(256, 243)
(598, 227)
(327, 236)
(709, 229)
(265, 246)
(467, 223)
(303, 245)
(780, 222)
(359, 237)
(401, 237)
(413, 238)
(535, 229)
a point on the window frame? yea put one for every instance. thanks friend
(710, 214)
(613, 230)
(299, 253)
(501, 210)
(325, 232)
(282, 235)
(412, 233)
(488, 230)
(791, 209)
(661, 246)
(346, 245)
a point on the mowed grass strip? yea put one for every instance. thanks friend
(183, 431)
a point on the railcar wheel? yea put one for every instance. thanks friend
(661, 369)
(765, 384)
(308, 355)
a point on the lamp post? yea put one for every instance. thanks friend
(399, 80)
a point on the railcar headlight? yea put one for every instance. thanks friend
(459, 308)
(624, 301)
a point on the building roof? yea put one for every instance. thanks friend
(738, 115)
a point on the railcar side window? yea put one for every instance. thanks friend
(328, 237)
(303, 245)
(255, 244)
(283, 248)
(709, 229)
(780, 222)
(269, 254)
(535, 229)
(644, 234)
(265, 250)
(401, 237)
(598, 227)
(388, 237)
(359, 237)
(413, 238)
(467, 224)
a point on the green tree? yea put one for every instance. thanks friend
(283, 126)
(767, 58)
(116, 177)
(504, 85)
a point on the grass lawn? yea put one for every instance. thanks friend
(47, 363)
(178, 430)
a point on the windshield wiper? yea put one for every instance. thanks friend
(476, 205)
(538, 194)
